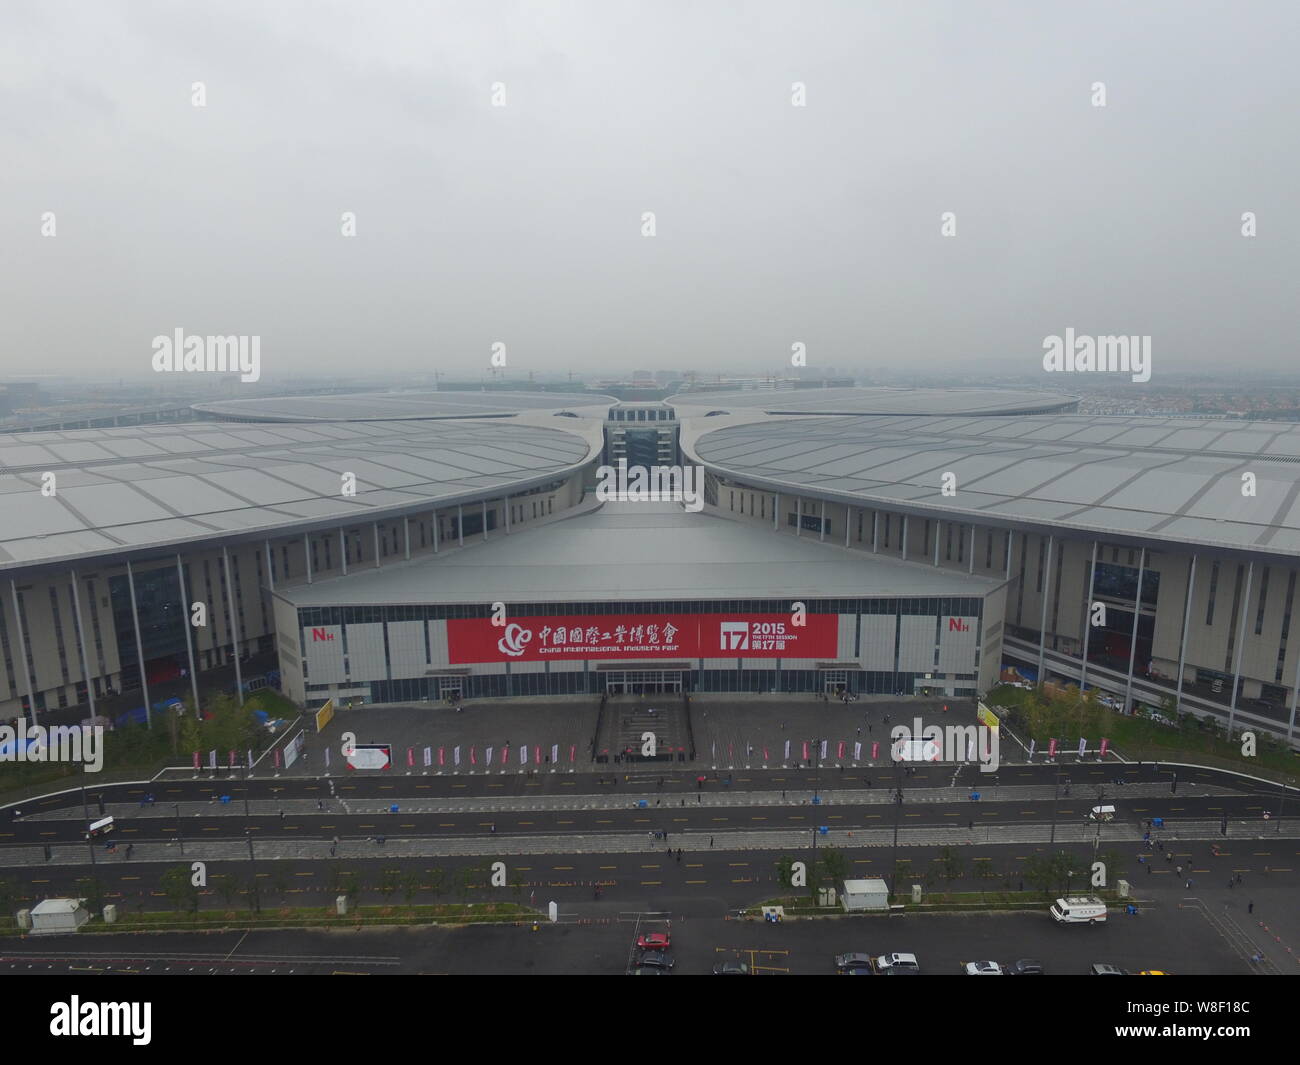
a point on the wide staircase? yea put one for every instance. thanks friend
(627, 718)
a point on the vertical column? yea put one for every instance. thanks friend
(1010, 534)
(1182, 642)
(970, 554)
(406, 534)
(22, 651)
(776, 510)
(485, 521)
(81, 643)
(505, 509)
(306, 554)
(234, 626)
(460, 525)
(938, 535)
(270, 568)
(375, 527)
(798, 516)
(1241, 640)
(1087, 617)
(343, 550)
(139, 647)
(821, 522)
(189, 639)
(904, 545)
(1042, 623)
(1133, 636)
(875, 532)
(1290, 725)
(433, 520)
(848, 523)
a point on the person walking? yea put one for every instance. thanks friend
(1179, 870)
(710, 841)
(1250, 907)
(1238, 878)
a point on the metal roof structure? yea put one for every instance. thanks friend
(397, 406)
(878, 401)
(125, 489)
(638, 551)
(1153, 479)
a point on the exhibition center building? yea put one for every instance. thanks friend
(401, 547)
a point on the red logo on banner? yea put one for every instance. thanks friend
(640, 636)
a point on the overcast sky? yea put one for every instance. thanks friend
(523, 223)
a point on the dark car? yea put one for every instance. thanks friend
(1102, 969)
(1024, 967)
(647, 970)
(853, 963)
(656, 959)
(731, 968)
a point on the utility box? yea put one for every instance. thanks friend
(916, 894)
(24, 920)
(864, 895)
(110, 913)
(58, 916)
(341, 905)
(1122, 888)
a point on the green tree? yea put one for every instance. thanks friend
(389, 882)
(950, 864)
(437, 882)
(410, 886)
(8, 895)
(1050, 873)
(227, 887)
(834, 865)
(177, 885)
(785, 871)
(90, 889)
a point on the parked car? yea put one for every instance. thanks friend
(1100, 968)
(648, 970)
(654, 941)
(731, 968)
(1024, 967)
(983, 968)
(897, 964)
(656, 959)
(849, 963)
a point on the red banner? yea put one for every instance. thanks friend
(641, 636)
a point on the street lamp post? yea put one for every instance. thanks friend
(1055, 797)
(1281, 810)
(898, 816)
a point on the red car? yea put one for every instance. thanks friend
(654, 941)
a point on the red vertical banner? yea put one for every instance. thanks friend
(473, 758)
(841, 750)
(805, 750)
(196, 759)
(410, 757)
(573, 752)
(442, 755)
(875, 751)
(232, 759)
(1051, 748)
(1105, 745)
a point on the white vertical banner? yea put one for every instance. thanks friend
(786, 756)
(488, 757)
(555, 753)
(1083, 747)
(857, 750)
(428, 757)
(212, 758)
(970, 748)
(250, 759)
(523, 754)
(455, 755)
(1032, 745)
(824, 748)
(327, 757)
(714, 750)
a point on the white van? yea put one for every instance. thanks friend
(1079, 909)
(100, 828)
(1102, 813)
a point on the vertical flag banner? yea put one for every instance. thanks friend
(487, 756)
(537, 754)
(573, 752)
(787, 750)
(555, 752)
(1083, 747)
(504, 751)
(824, 748)
(875, 750)
(473, 758)
(196, 759)
(327, 757)
(805, 750)
(1105, 745)
(841, 750)
(713, 750)
(442, 755)
(212, 759)
(232, 759)
(523, 754)
(455, 754)
(410, 757)
(1032, 745)
(1051, 748)
(428, 757)
(857, 751)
